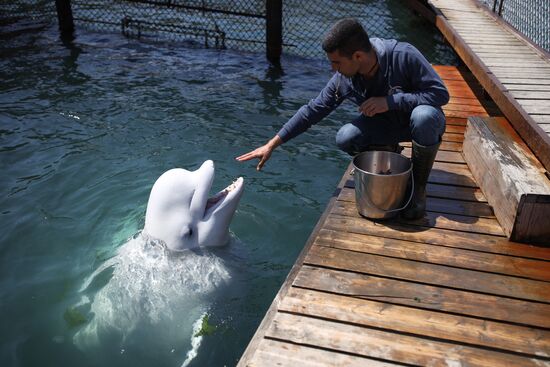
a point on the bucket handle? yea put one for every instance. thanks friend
(404, 206)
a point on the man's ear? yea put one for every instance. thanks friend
(358, 56)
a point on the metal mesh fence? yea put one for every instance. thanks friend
(241, 24)
(530, 17)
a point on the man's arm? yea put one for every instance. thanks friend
(428, 88)
(329, 98)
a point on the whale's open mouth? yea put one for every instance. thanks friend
(217, 199)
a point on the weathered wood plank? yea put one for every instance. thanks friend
(542, 83)
(455, 192)
(413, 321)
(508, 175)
(458, 176)
(457, 138)
(424, 296)
(446, 191)
(434, 219)
(436, 236)
(533, 62)
(442, 255)
(463, 100)
(531, 95)
(276, 353)
(385, 345)
(421, 272)
(445, 145)
(440, 205)
(442, 156)
(465, 109)
(461, 114)
(451, 120)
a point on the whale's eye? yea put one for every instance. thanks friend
(190, 233)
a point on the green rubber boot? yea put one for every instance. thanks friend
(423, 158)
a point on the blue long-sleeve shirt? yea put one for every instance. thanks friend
(404, 76)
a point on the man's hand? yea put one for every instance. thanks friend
(263, 152)
(373, 106)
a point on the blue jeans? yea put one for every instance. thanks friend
(426, 125)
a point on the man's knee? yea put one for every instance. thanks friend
(346, 138)
(427, 125)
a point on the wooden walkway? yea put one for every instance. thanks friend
(446, 290)
(514, 73)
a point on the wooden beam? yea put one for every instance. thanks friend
(511, 178)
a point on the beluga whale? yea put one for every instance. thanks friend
(181, 214)
(159, 285)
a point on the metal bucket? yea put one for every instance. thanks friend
(381, 180)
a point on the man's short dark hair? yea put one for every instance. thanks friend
(346, 37)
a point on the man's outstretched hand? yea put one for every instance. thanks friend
(263, 153)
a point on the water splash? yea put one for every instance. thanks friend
(196, 340)
(151, 298)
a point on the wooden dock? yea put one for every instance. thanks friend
(514, 72)
(446, 290)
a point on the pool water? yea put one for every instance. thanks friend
(85, 130)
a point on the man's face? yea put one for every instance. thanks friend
(347, 66)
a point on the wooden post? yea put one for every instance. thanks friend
(274, 30)
(65, 17)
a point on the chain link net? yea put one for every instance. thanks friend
(241, 24)
(532, 18)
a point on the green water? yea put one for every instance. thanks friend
(85, 130)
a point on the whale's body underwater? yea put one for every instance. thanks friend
(161, 280)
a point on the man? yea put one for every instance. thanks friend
(399, 96)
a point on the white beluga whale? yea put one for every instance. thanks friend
(147, 298)
(180, 213)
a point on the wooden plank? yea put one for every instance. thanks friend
(465, 109)
(507, 173)
(463, 100)
(455, 192)
(512, 87)
(525, 81)
(434, 219)
(385, 345)
(535, 106)
(442, 156)
(456, 120)
(457, 138)
(421, 272)
(449, 256)
(453, 328)
(424, 296)
(276, 353)
(531, 95)
(444, 191)
(461, 114)
(445, 145)
(445, 173)
(436, 236)
(445, 206)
